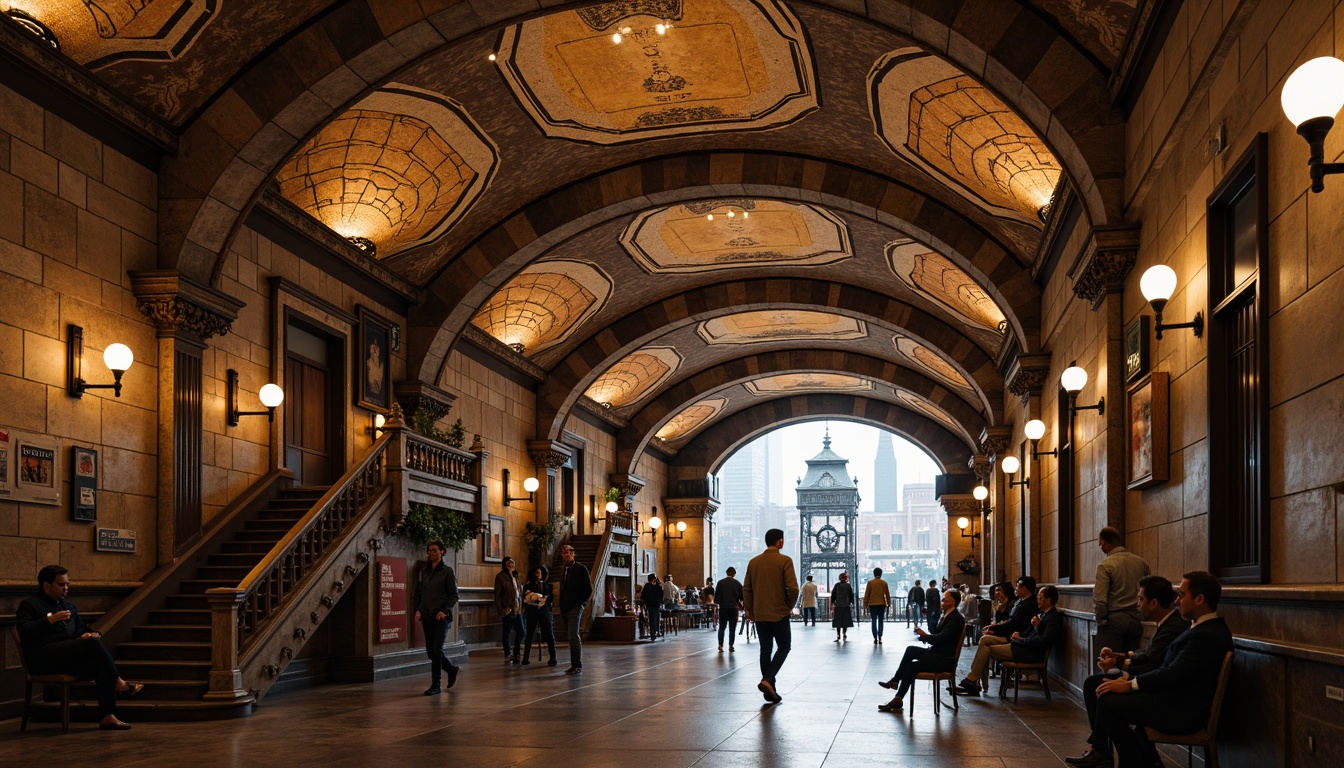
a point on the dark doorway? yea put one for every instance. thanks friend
(314, 392)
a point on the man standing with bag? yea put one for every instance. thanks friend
(435, 596)
(768, 595)
(575, 589)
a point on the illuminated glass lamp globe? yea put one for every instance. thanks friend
(655, 522)
(613, 506)
(681, 526)
(1157, 285)
(980, 493)
(1035, 429)
(118, 358)
(963, 523)
(271, 395)
(531, 485)
(1073, 379)
(1315, 90)
(1010, 465)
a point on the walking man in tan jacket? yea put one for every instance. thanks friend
(877, 598)
(768, 595)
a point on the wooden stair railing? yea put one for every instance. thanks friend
(620, 526)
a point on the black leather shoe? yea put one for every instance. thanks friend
(894, 705)
(1090, 757)
(452, 675)
(889, 684)
(552, 663)
(433, 690)
(968, 689)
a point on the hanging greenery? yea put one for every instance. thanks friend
(612, 494)
(424, 424)
(539, 538)
(426, 523)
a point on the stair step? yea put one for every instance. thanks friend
(257, 548)
(199, 586)
(155, 691)
(234, 573)
(144, 711)
(192, 602)
(172, 633)
(287, 515)
(180, 617)
(279, 526)
(149, 669)
(156, 651)
(235, 559)
(260, 537)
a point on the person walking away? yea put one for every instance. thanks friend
(932, 602)
(575, 589)
(537, 614)
(809, 601)
(653, 605)
(914, 603)
(707, 599)
(877, 599)
(728, 593)
(509, 603)
(435, 597)
(842, 607)
(768, 595)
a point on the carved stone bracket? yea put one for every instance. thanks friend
(629, 484)
(548, 454)
(994, 440)
(1105, 262)
(979, 466)
(417, 396)
(702, 508)
(959, 506)
(1027, 374)
(175, 303)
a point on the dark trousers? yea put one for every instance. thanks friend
(539, 619)
(512, 626)
(655, 612)
(727, 618)
(1122, 632)
(914, 612)
(1100, 744)
(1117, 713)
(773, 633)
(916, 660)
(573, 618)
(877, 617)
(933, 615)
(436, 634)
(810, 615)
(84, 658)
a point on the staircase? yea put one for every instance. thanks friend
(586, 549)
(170, 653)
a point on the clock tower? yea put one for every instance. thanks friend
(828, 507)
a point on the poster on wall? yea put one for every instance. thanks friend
(83, 484)
(6, 469)
(392, 619)
(373, 369)
(493, 551)
(37, 471)
(1148, 456)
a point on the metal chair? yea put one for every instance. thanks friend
(1014, 670)
(65, 681)
(1208, 736)
(937, 676)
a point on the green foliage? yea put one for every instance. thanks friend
(425, 523)
(612, 494)
(423, 424)
(539, 538)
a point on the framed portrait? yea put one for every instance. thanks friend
(1148, 447)
(373, 369)
(6, 465)
(493, 550)
(83, 484)
(1136, 348)
(36, 469)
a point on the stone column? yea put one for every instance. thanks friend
(1025, 379)
(689, 553)
(186, 315)
(547, 456)
(994, 441)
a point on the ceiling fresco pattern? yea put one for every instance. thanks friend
(97, 33)
(640, 69)
(931, 363)
(635, 376)
(732, 233)
(398, 169)
(1102, 26)
(782, 324)
(544, 304)
(958, 131)
(691, 418)
(937, 279)
(769, 386)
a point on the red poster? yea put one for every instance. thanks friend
(391, 599)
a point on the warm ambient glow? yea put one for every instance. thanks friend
(963, 523)
(681, 526)
(379, 421)
(1315, 89)
(980, 493)
(118, 357)
(531, 485)
(612, 506)
(271, 395)
(1010, 465)
(655, 522)
(1035, 429)
(1073, 379)
(1158, 283)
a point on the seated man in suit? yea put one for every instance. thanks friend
(1175, 697)
(56, 641)
(1023, 610)
(1029, 647)
(1155, 604)
(940, 656)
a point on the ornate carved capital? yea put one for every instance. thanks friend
(629, 484)
(418, 396)
(548, 453)
(1027, 374)
(979, 466)
(959, 506)
(1106, 261)
(702, 508)
(994, 440)
(175, 303)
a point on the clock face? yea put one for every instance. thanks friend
(827, 481)
(828, 538)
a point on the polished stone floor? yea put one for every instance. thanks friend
(667, 704)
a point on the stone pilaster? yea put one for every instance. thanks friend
(548, 456)
(690, 557)
(1105, 262)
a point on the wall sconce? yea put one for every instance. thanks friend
(681, 531)
(1073, 380)
(1311, 98)
(530, 485)
(1035, 430)
(1010, 465)
(610, 507)
(654, 524)
(379, 420)
(117, 357)
(1157, 285)
(270, 396)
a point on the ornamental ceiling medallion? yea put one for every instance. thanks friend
(691, 418)
(809, 382)
(544, 304)
(931, 363)
(683, 238)
(956, 130)
(780, 324)
(399, 168)
(97, 33)
(1101, 25)
(638, 374)
(937, 279)
(720, 65)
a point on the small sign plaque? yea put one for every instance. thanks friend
(391, 599)
(115, 540)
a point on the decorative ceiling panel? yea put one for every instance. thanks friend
(931, 362)
(544, 304)
(937, 279)
(1100, 25)
(398, 169)
(638, 374)
(807, 382)
(97, 33)
(931, 113)
(702, 236)
(928, 409)
(781, 325)
(678, 68)
(691, 418)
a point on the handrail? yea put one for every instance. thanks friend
(442, 461)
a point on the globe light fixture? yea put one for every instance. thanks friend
(1010, 465)
(117, 357)
(1311, 98)
(1157, 285)
(530, 485)
(270, 395)
(1035, 430)
(1073, 379)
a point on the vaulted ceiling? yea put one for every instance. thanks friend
(698, 216)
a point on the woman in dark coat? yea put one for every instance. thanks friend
(842, 608)
(537, 612)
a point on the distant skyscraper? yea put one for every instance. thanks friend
(774, 468)
(742, 494)
(885, 497)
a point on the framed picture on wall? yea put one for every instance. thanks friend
(36, 471)
(1136, 348)
(493, 550)
(83, 484)
(1148, 447)
(373, 369)
(6, 465)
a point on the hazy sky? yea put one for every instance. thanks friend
(856, 442)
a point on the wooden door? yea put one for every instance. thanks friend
(308, 448)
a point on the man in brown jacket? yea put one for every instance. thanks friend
(768, 594)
